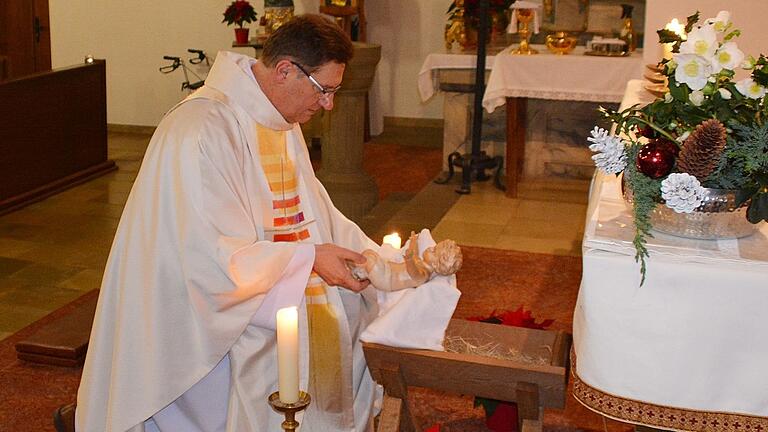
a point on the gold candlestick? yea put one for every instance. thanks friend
(290, 424)
(524, 17)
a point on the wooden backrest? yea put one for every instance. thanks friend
(53, 126)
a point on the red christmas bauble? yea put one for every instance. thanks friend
(657, 158)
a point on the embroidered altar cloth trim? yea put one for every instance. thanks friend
(658, 416)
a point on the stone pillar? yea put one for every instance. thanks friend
(352, 190)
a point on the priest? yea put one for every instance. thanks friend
(225, 224)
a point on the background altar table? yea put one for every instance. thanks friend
(513, 78)
(687, 350)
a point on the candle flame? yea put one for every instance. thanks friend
(393, 240)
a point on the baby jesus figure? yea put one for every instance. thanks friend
(443, 259)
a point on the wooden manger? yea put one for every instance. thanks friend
(531, 370)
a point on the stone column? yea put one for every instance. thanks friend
(352, 190)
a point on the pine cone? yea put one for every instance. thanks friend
(702, 149)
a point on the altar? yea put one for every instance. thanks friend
(512, 80)
(687, 349)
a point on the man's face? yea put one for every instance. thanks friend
(304, 98)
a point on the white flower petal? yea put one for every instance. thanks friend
(693, 70)
(749, 88)
(728, 56)
(696, 97)
(724, 93)
(701, 41)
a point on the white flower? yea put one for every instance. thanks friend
(693, 70)
(682, 192)
(609, 156)
(724, 93)
(721, 21)
(749, 88)
(684, 136)
(697, 97)
(728, 56)
(701, 41)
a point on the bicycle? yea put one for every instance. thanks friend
(179, 63)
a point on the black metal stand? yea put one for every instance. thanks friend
(475, 163)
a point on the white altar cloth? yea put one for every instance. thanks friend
(573, 77)
(427, 80)
(691, 344)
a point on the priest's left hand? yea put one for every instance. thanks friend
(330, 264)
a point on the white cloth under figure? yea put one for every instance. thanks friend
(417, 317)
(524, 4)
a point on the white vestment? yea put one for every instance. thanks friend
(191, 282)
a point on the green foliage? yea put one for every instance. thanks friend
(744, 165)
(691, 21)
(646, 194)
(760, 74)
(731, 35)
(668, 36)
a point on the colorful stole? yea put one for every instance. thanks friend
(325, 380)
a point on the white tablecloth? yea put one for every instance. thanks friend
(693, 339)
(427, 80)
(574, 77)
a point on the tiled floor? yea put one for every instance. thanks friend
(55, 250)
(546, 217)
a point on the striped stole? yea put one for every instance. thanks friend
(325, 379)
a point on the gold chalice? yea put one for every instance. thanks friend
(524, 17)
(560, 43)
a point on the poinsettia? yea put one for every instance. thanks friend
(517, 318)
(239, 12)
(501, 416)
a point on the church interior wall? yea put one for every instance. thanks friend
(134, 36)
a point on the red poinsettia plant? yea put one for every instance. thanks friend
(501, 416)
(239, 12)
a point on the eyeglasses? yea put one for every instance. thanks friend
(325, 93)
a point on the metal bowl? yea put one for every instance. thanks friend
(560, 43)
(717, 217)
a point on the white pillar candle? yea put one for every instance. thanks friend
(288, 354)
(393, 240)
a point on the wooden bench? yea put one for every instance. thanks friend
(533, 385)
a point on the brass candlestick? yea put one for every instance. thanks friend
(290, 424)
(524, 17)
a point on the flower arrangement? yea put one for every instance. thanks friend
(708, 130)
(239, 12)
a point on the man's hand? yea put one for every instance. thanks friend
(331, 265)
